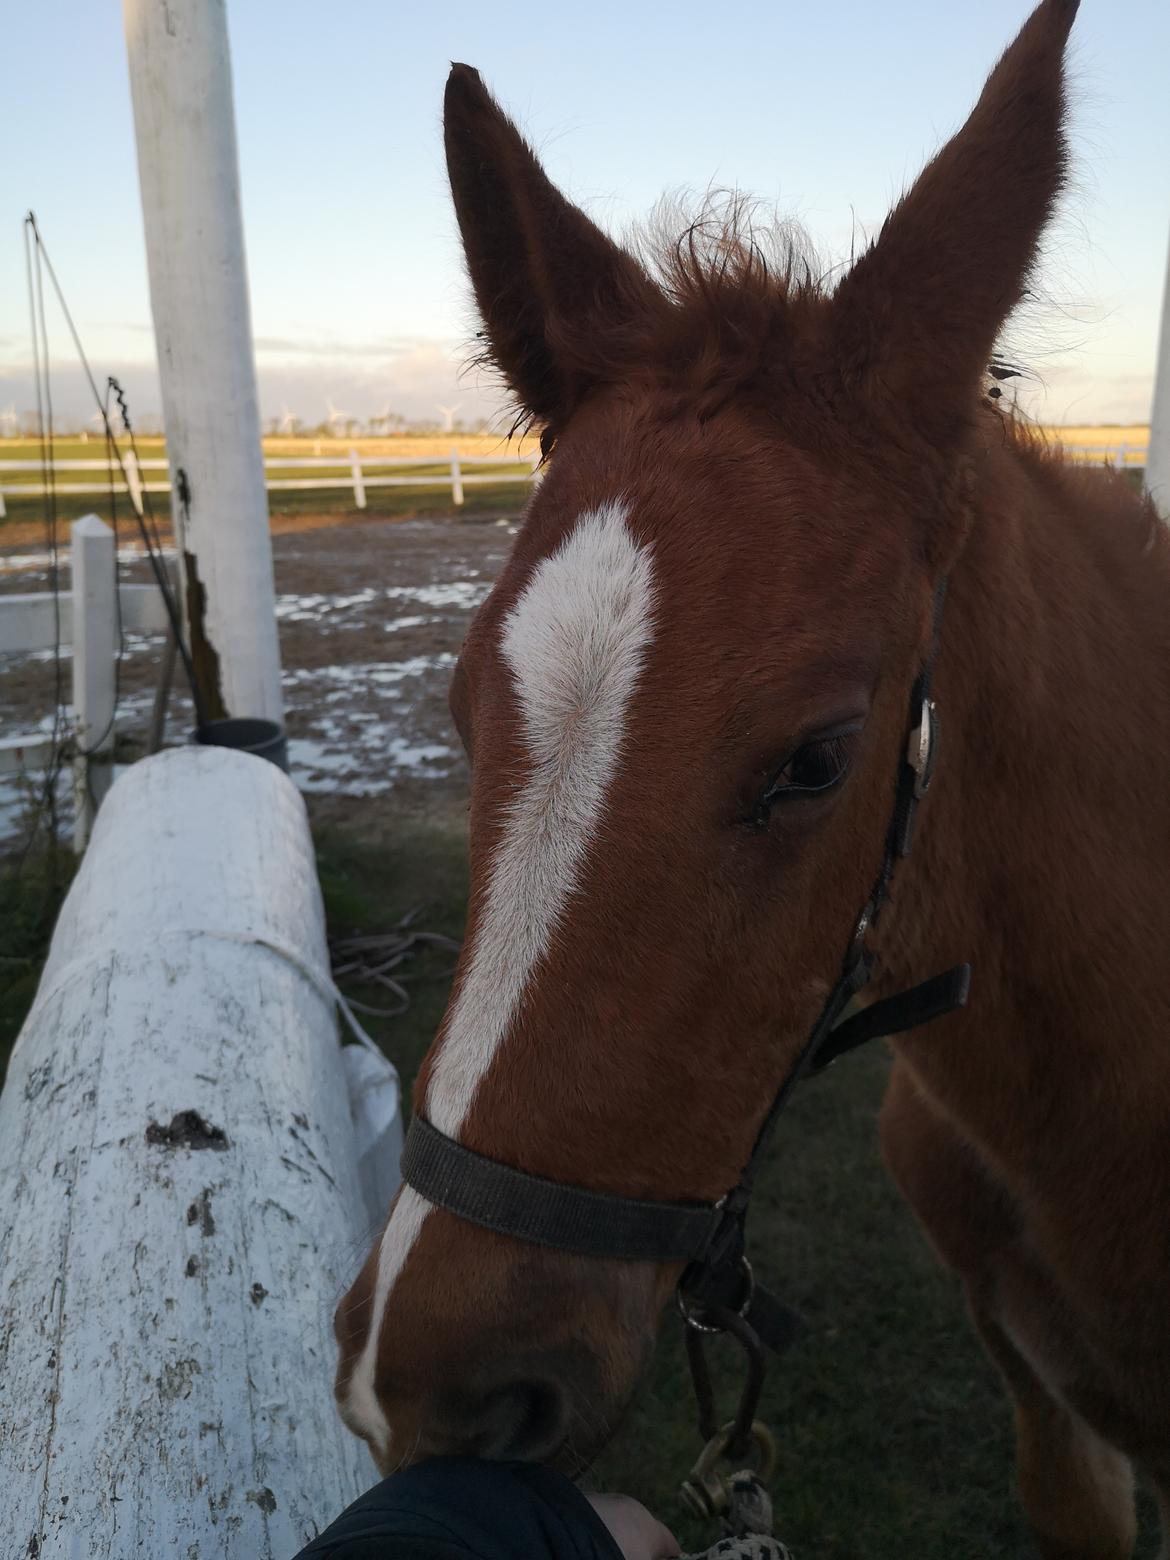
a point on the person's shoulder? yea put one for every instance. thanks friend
(459, 1508)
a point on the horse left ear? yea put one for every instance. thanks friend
(560, 301)
(918, 315)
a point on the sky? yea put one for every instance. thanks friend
(358, 293)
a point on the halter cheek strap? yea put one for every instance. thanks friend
(709, 1237)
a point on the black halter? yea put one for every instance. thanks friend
(708, 1237)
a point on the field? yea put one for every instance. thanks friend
(430, 498)
(432, 495)
(1133, 436)
(894, 1436)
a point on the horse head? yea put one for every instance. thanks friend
(684, 702)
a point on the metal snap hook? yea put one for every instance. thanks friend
(706, 1492)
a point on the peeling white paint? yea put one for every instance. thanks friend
(166, 1353)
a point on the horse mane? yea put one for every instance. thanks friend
(1105, 489)
(725, 254)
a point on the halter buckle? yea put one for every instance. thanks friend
(922, 747)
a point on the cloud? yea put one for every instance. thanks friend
(407, 377)
(1067, 393)
(412, 376)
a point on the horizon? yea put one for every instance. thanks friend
(359, 301)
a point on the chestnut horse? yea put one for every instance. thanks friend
(684, 702)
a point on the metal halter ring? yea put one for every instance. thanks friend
(860, 932)
(920, 750)
(690, 1315)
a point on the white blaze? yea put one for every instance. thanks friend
(575, 642)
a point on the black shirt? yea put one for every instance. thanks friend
(456, 1508)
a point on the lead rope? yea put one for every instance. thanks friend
(747, 1524)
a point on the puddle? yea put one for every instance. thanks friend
(371, 674)
(464, 593)
(37, 564)
(367, 767)
(316, 608)
(372, 718)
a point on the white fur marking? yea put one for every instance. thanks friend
(575, 643)
(362, 1409)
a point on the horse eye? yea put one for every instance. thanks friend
(814, 767)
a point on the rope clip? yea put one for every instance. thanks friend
(706, 1492)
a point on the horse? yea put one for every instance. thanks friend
(684, 701)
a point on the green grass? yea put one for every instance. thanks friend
(426, 500)
(400, 503)
(30, 896)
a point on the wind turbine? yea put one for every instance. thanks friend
(337, 420)
(448, 415)
(288, 420)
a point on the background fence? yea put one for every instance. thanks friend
(90, 618)
(346, 469)
(358, 472)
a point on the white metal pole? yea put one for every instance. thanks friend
(456, 478)
(180, 79)
(1158, 458)
(95, 653)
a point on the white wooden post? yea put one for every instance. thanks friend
(179, 1179)
(3, 510)
(133, 480)
(456, 478)
(359, 487)
(1158, 454)
(180, 79)
(95, 653)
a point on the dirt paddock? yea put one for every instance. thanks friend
(371, 617)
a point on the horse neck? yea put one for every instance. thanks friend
(1046, 840)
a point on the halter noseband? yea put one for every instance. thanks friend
(708, 1237)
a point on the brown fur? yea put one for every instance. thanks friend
(806, 465)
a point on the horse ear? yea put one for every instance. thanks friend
(554, 292)
(918, 315)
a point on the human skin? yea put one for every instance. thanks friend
(637, 1532)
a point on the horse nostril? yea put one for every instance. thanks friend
(524, 1420)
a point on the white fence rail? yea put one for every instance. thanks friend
(360, 473)
(347, 469)
(86, 618)
(1120, 455)
(182, 1141)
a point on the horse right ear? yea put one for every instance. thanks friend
(917, 317)
(556, 295)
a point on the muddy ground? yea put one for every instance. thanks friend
(371, 618)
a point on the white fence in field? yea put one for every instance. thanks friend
(85, 617)
(347, 469)
(358, 472)
(1120, 455)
